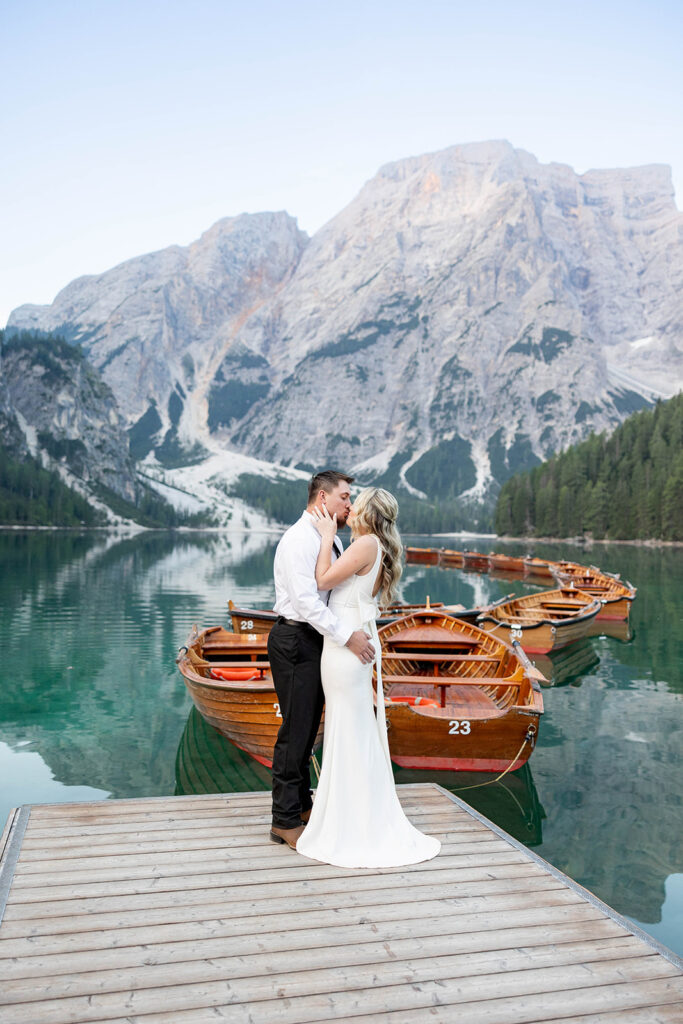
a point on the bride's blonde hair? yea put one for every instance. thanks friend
(376, 512)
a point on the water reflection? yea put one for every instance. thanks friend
(568, 665)
(25, 778)
(512, 802)
(91, 627)
(92, 622)
(207, 762)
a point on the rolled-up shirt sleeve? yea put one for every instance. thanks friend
(297, 565)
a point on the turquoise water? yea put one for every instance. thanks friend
(93, 706)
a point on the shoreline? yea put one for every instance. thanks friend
(136, 531)
(126, 531)
(581, 542)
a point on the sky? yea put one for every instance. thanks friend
(129, 126)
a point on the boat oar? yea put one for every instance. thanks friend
(487, 607)
(534, 673)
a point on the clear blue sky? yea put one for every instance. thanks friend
(128, 126)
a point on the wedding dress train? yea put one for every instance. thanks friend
(357, 820)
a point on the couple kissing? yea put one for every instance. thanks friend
(322, 650)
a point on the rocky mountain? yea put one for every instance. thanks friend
(56, 407)
(470, 312)
(158, 327)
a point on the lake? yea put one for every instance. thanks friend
(93, 706)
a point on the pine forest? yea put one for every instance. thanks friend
(624, 486)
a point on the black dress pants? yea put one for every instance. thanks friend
(294, 652)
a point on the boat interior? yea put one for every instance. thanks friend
(452, 672)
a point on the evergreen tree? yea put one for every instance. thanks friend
(626, 486)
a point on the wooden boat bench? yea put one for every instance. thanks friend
(443, 683)
(561, 605)
(423, 656)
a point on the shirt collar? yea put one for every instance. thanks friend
(308, 518)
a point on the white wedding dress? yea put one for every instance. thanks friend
(357, 820)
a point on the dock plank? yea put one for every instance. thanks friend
(318, 915)
(224, 941)
(178, 909)
(410, 991)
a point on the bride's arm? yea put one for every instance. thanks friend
(360, 555)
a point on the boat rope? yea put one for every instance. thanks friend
(530, 733)
(515, 800)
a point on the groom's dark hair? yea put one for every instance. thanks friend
(326, 481)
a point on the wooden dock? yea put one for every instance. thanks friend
(179, 910)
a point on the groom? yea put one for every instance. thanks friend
(295, 644)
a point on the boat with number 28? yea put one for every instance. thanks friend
(229, 679)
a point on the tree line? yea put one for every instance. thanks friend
(33, 496)
(624, 486)
(284, 500)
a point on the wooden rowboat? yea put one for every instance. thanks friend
(456, 698)
(229, 679)
(616, 596)
(542, 622)
(476, 561)
(539, 567)
(260, 620)
(452, 559)
(422, 556)
(507, 563)
(251, 620)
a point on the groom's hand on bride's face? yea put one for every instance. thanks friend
(360, 645)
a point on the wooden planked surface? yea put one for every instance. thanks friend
(180, 910)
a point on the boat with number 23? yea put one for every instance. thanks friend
(456, 698)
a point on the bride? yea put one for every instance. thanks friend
(357, 820)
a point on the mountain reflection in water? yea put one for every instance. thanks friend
(92, 622)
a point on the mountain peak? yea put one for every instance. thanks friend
(471, 311)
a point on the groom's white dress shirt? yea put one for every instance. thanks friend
(296, 593)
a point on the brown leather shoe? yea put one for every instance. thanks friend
(286, 835)
(305, 815)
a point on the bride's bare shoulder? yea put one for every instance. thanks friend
(366, 542)
(365, 550)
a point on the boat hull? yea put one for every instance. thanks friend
(449, 743)
(616, 595)
(251, 620)
(452, 559)
(617, 610)
(540, 639)
(249, 720)
(245, 711)
(422, 556)
(507, 563)
(539, 568)
(476, 561)
(455, 697)
(246, 621)
(543, 622)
